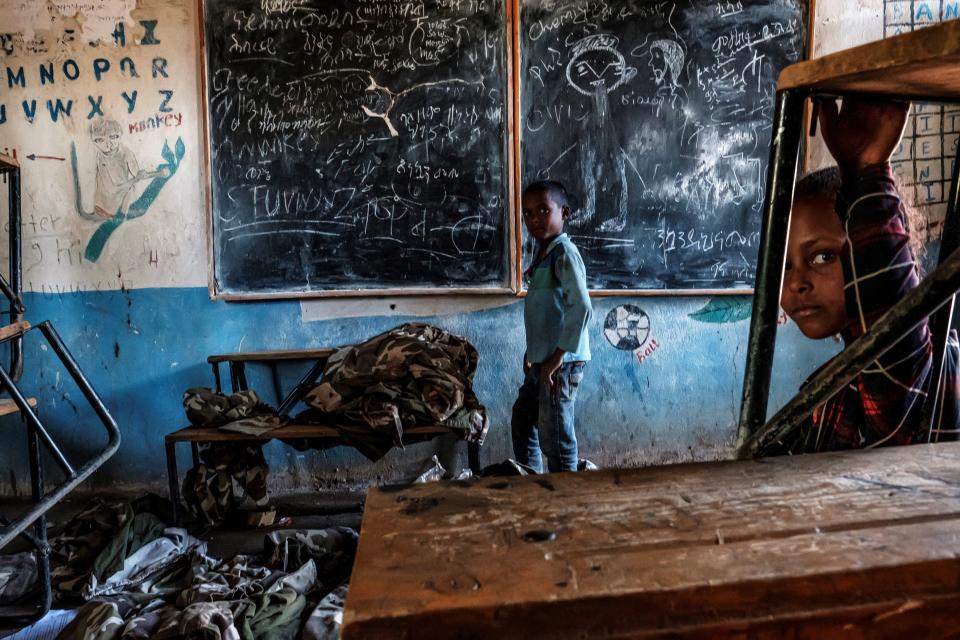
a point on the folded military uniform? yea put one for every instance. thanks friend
(242, 411)
(209, 487)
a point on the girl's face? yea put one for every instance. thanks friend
(812, 293)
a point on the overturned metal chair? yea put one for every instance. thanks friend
(922, 66)
(31, 526)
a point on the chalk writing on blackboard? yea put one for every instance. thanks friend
(657, 116)
(357, 144)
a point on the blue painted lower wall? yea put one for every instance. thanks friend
(142, 348)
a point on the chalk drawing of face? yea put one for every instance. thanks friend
(596, 66)
(666, 60)
(106, 136)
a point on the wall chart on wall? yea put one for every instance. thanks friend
(657, 118)
(924, 159)
(357, 145)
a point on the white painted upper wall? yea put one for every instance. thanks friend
(114, 82)
(842, 24)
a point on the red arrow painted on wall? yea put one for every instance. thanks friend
(36, 157)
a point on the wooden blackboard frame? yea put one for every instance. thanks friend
(811, 6)
(513, 284)
(512, 279)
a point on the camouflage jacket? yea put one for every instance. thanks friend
(243, 409)
(415, 374)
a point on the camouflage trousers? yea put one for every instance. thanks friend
(209, 489)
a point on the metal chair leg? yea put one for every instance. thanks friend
(940, 322)
(174, 482)
(781, 173)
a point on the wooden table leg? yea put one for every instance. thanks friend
(241, 377)
(275, 377)
(216, 376)
(234, 377)
(171, 448)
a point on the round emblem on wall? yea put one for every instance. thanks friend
(626, 327)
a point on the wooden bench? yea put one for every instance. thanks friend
(852, 544)
(236, 363)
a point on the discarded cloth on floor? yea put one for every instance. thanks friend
(327, 617)
(332, 549)
(96, 541)
(18, 576)
(169, 588)
(46, 628)
(413, 375)
(142, 568)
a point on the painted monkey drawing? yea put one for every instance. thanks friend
(118, 173)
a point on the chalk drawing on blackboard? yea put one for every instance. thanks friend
(381, 100)
(666, 62)
(669, 159)
(596, 67)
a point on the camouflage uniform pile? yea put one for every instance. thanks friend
(413, 375)
(241, 411)
(141, 579)
(210, 488)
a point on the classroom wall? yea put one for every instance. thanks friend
(131, 302)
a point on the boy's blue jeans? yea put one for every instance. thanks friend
(543, 419)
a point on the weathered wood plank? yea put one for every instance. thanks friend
(721, 546)
(921, 64)
(290, 431)
(13, 330)
(267, 356)
(9, 406)
(8, 162)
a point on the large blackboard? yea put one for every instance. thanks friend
(657, 116)
(357, 144)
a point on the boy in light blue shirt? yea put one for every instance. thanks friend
(556, 311)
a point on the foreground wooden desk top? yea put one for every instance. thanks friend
(846, 545)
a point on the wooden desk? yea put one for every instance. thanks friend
(238, 381)
(921, 65)
(835, 545)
